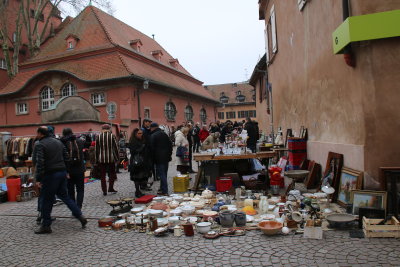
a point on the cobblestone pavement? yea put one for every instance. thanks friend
(69, 245)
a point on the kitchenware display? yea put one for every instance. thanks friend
(192, 219)
(145, 214)
(209, 214)
(263, 205)
(106, 222)
(188, 210)
(115, 203)
(144, 199)
(137, 210)
(207, 194)
(156, 213)
(174, 220)
(162, 221)
(203, 227)
(173, 204)
(240, 219)
(249, 218)
(159, 206)
(226, 218)
(297, 175)
(176, 212)
(178, 198)
(267, 216)
(249, 210)
(158, 199)
(271, 207)
(177, 231)
(339, 220)
(270, 227)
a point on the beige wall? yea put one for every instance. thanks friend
(355, 108)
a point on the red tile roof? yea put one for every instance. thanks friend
(98, 31)
(230, 90)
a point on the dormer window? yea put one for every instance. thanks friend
(238, 93)
(174, 62)
(136, 44)
(72, 40)
(234, 85)
(222, 94)
(157, 54)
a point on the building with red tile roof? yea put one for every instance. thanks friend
(93, 60)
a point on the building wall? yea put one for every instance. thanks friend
(345, 109)
(263, 117)
(236, 109)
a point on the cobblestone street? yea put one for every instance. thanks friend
(69, 245)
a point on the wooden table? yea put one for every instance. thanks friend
(201, 157)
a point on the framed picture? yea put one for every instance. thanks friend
(333, 169)
(369, 199)
(349, 180)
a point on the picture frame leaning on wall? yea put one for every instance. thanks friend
(349, 180)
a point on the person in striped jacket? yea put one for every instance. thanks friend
(106, 155)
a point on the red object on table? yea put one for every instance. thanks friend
(223, 184)
(144, 199)
(13, 188)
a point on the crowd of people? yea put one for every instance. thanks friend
(59, 163)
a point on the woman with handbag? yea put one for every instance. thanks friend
(182, 150)
(140, 165)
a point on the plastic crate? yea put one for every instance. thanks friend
(224, 184)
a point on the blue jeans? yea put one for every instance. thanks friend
(162, 172)
(56, 184)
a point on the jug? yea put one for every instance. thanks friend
(188, 229)
(263, 205)
(226, 218)
(240, 219)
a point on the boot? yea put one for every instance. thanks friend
(111, 186)
(83, 221)
(138, 193)
(43, 230)
(104, 186)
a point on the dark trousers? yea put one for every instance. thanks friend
(76, 180)
(162, 172)
(108, 168)
(196, 145)
(190, 156)
(56, 184)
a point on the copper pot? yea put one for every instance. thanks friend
(105, 222)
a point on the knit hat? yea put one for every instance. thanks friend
(154, 125)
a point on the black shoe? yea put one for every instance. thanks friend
(43, 230)
(104, 193)
(138, 194)
(112, 191)
(146, 188)
(83, 221)
(39, 220)
(159, 192)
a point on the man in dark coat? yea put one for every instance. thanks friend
(51, 177)
(161, 153)
(196, 137)
(252, 135)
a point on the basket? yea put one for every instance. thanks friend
(371, 229)
(270, 227)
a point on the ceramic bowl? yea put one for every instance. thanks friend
(267, 216)
(192, 219)
(144, 213)
(162, 221)
(136, 210)
(159, 199)
(187, 210)
(203, 227)
(176, 212)
(270, 227)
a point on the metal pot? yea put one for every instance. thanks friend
(339, 220)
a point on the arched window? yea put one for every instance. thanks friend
(47, 98)
(203, 115)
(68, 90)
(188, 113)
(170, 111)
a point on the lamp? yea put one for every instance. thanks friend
(145, 87)
(146, 84)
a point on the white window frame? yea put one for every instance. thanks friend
(3, 64)
(273, 30)
(98, 99)
(148, 115)
(266, 42)
(22, 108)
(68, 89)
(47, 98)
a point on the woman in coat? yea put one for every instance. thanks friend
(140, 165)
(181, 141)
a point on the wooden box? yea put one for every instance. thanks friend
(311, 231)
(390, 229)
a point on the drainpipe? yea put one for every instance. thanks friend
(347, 51)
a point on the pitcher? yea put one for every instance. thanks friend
(240, 219)
(226, 218)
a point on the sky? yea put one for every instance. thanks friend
(217, 41)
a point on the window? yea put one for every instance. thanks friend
(273, 30)
(266, 43)
(240, 98)
(188, 113)
(247, 114)
(14, 37)
(222, 94)
(22, 108)
(252, 113)
(70, 45)
(3, 64)
(224, 99)
(47, 98)
(203, 115)
(230, 115)
(170, 111)
(221, 115)
(98, 99)
(271, 48)
(147, 113)
(238, 93)
(68, 90)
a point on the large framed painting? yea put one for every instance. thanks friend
(369, 199)
(349, 180)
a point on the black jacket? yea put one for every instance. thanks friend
(141, 150)
(78, 168)
(251, 133)
(50, 157)
(161, 147)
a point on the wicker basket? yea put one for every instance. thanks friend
(255, 184)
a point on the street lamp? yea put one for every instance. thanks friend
(145, 87)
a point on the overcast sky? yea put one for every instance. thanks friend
(217, 41)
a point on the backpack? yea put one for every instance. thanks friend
(74, 155)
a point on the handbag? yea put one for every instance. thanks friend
(180, 151)
(185, 157)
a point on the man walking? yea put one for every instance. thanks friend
(161, 152)
(196, 137)
(106, 154)
(51, 177)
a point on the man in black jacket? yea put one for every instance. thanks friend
(161, 152)
(75, 166)
(252, 135)
(51, 177)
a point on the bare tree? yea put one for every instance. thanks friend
(28, 16)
